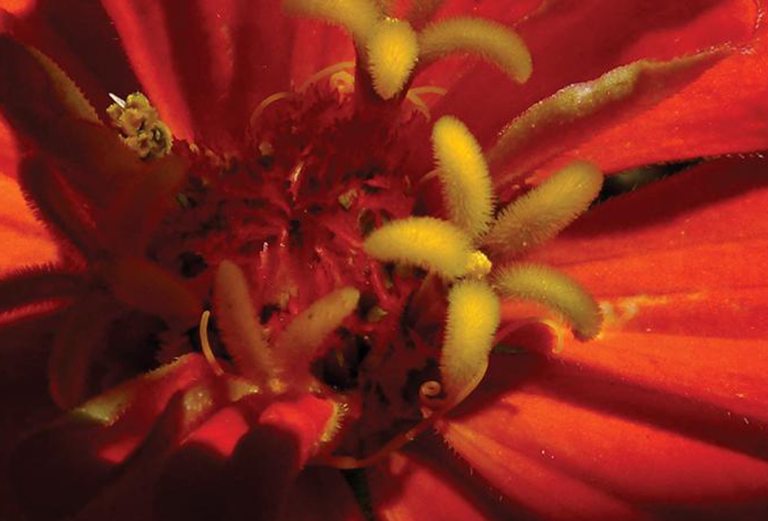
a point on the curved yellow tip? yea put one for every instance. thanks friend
(392, 54)
(555, 290)
(427, 242)
(491, 41)
(304, 335)
(545, 211)
(474, 313)
(467, 186)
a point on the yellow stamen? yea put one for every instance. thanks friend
(392, 54)
(491, 41)
(430, 243)
(242, 334)
(343, 82)
(473, 316)
(357, 16)
(467, 186)
(555, 290)
(266, 102)
(140, 126)
(206, 346)
(299, 343)
(545, 211)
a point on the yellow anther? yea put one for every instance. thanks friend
(491, 41)
(473, 316)
(236, 317)
(357, 16)
(430, 243)
(555, 290)
(467, 186)
(206, 346)
(299, 343)
(392, 53)
(140, 126)
(479, 265)
(545, 211)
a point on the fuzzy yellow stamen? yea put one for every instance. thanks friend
(236, 317)
(473, 316)
(555, 290)
(206, 346)
(140, 126)
(392, 54)
(467, 186)
(305, 334)
(430, 243)
(491, 41)
(357, 16)
(542, 213)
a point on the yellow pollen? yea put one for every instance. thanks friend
(479, 265)
(357, 16)
(545, 211)
(206, 346)
(555, 290)
(467, 187)
(474, 313)
(140, 126)
(427, 242)
(392, 54)
(491, 41)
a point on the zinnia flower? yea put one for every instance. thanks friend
(284, 239)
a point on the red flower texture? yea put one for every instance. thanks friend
(359, 242)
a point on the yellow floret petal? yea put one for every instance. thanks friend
(357, 16)
(545, 211)
(557, 291)
(491, 41)
(467, 186)
(236, 318)
(299, 343)
(427, 242)
(392, 53)
(473, 316)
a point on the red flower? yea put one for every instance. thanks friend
(344, 327)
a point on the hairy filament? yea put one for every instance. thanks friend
(392, 53)
(427, 242)
(554, 289)
(467, 187)
(357, 16)
(545, 211)
(491, 41)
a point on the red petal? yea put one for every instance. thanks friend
(579, 443)
(573, 41)
(321, 494)
(206, 65)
